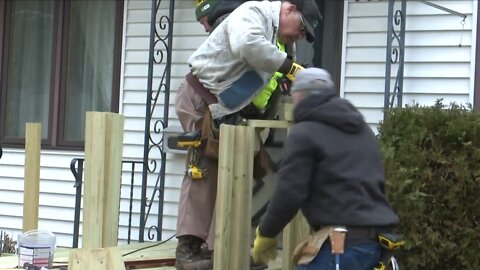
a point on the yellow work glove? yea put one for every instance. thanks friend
(293, 71)
(264, 248)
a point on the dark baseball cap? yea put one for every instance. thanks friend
(311, 16)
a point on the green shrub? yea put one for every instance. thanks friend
(432, 164)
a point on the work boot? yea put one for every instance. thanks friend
(205, 252)
(188, 254)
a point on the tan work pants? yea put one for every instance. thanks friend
(196, 209)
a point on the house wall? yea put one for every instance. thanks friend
(188, 34)
(435, 65)
(57, 193)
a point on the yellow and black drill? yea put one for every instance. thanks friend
(193, 142)
(389, 242)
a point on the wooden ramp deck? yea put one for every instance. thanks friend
(154, 252)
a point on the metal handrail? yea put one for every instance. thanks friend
(76, 167)
(451, 11)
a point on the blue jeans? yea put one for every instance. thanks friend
(358, 257)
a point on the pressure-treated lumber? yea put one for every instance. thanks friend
(113, 171)
(234, 201)
(268, 124)
(294, 233)
(298, 229)
(31, 191)
(103, 153)
(287, 112)
(95, 258)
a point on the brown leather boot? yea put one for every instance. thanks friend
(188, 254)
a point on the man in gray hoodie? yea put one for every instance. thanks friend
(228, 70)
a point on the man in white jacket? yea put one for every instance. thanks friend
(228, 70)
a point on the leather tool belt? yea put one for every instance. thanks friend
(200, 89)
(307, 250)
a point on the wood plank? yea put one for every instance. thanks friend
(295, 232)
(287, 112)
(269, 124)
(135, 252)
(94, 194)
(31, 193)
(234, 201)
(95, 258)
(223, 206)
(242, 197)
(113, 168)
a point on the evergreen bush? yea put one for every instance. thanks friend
(432, 164)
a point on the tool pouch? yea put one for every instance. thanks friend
(307, 250)
(210, 136)
(210, 140)
(337, 240)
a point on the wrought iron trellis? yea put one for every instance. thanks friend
(76, 167)
(396, 54)
(154, 158)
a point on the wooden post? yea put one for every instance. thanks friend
(31, 193)
(298, 229)
(103, 150)
(113, 177)
(96, 258)
(295, 232)
(234, 201)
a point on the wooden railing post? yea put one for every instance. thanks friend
(103, 164)
(31, 191)
(234, 199)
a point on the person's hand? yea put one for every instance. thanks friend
(264, 248)
(293, 71)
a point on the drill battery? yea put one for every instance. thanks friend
(190, 139)
(389, 242)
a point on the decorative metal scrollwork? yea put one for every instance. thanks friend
(395, 53)
(154, 158)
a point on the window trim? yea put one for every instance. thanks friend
(2, 19)
(476, 80)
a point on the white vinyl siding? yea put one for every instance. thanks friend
(188, 34)
(57, 193)
(435, 65)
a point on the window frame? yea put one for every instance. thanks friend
(55, 138)
(2, 20)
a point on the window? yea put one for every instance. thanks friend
(59, 60)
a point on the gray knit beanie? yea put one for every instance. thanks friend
(312, 79)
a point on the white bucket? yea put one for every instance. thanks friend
(36, 248)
